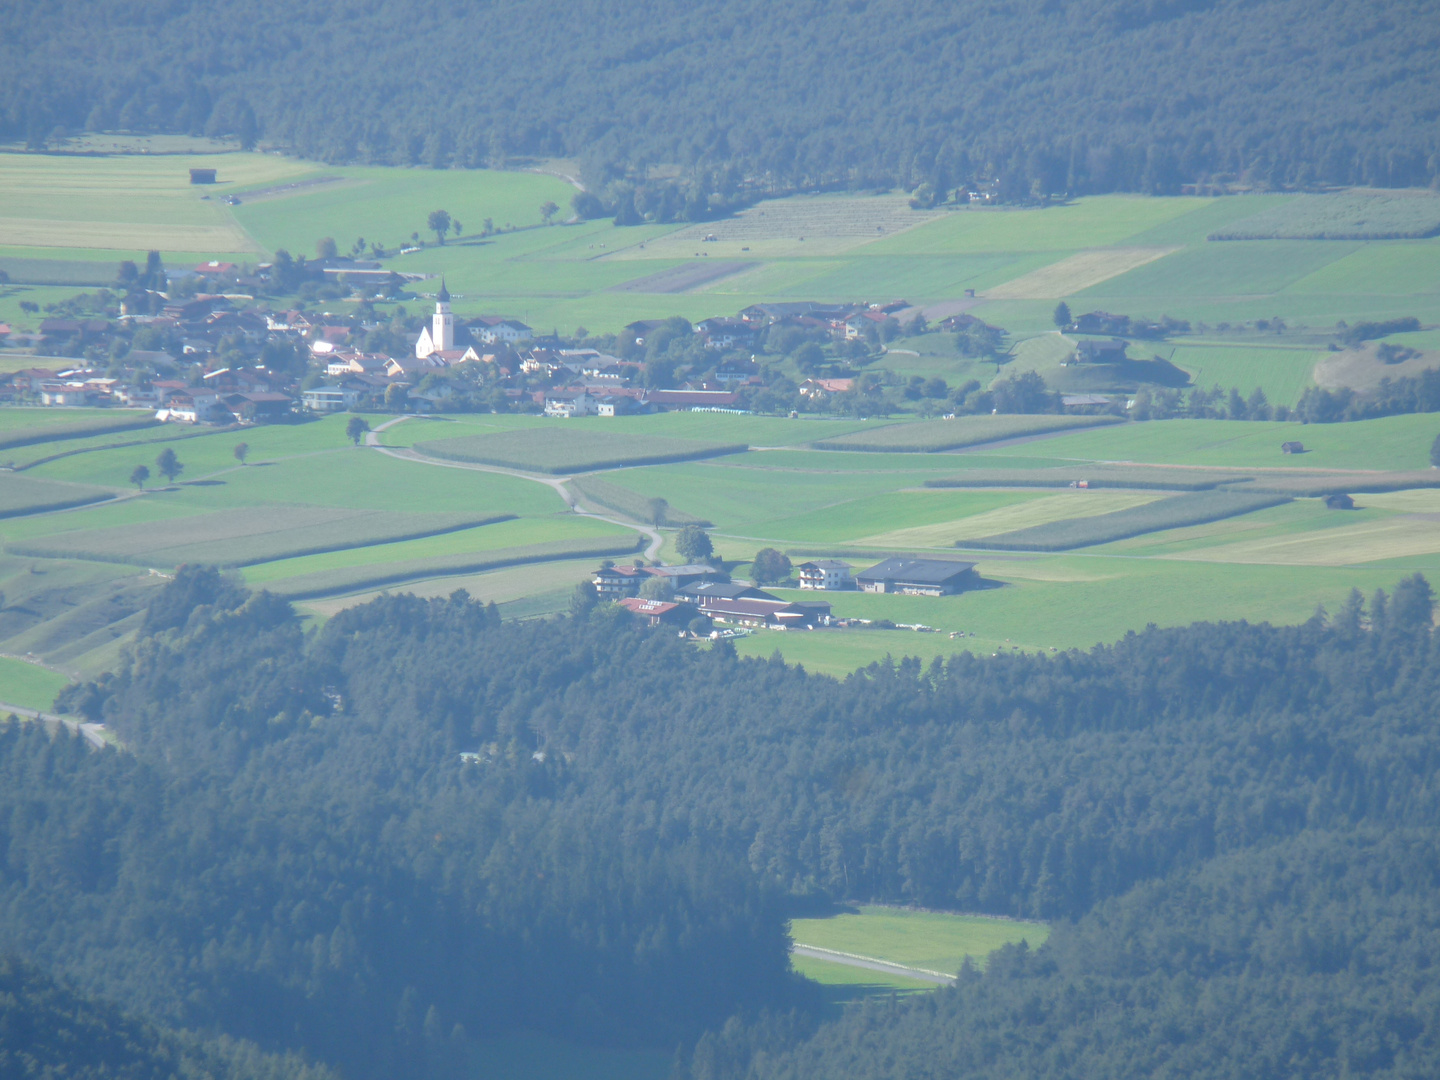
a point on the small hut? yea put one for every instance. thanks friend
(202, 176)
(1339, 502)
(1292, 448)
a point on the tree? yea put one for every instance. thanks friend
(657, 587)
(487, 226)
(701, 625)
(325, 247)
(1062, 315)
(356, 428)
(1435, 452)
(169, 465)
(547, 211)
(140, 474)
(456, 228)
(693, 544)
(659, 509)
(769, 566)
(1412, 605)
(242, 451)
(439, 223)
(1022, 393)
(584, 599)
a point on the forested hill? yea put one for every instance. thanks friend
(1065, 95)
(420, 825)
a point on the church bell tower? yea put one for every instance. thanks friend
(442, 326)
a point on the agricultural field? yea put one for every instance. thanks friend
(927, 940)
(936, 435)
(28, 685)
(1351, 215)
(570, 450)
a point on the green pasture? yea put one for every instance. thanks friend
(857, 518)
(1239, 268)
(936, 435)
(1282, 372)
(1389, 443)
(564, 449)
(930, 940)
(843, 984)
(28, 685)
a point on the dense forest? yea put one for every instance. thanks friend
(747, 95)
(419, 826)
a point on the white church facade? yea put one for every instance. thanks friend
(438, 340)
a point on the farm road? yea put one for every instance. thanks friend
(869, 963)
(92, 732)
(555, 483)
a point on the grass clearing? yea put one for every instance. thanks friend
(843, 984)
(560, 450)
(931, 436)
(28, 685)
(1175, 512)
(21, 495)
(928, 940)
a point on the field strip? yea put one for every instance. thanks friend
(1077, 273)
(1041, 511)
(1346, 545)
(689, 277)
(124, 236)
(870, 963)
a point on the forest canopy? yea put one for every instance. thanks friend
(1043, 95)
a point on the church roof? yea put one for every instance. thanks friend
(443, 296)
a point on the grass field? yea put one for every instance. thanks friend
(563, 450)
(932, 436)
(28, 685)
(20, 495)
(1283, 373)
(1357, 215)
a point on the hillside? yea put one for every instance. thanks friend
(1077, 95)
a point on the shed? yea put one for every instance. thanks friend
(918, 577)
(1339, 502)
(1292, 448)
(202, 176)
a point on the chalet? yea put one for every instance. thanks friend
(1292, 448)
(640, 328)
(1099, 352)
(731, 372)
(856, 325)
(1100, 322)
(812, 387)
(188, 408)
(614, 582)
(615, 405)
(726, 333)
(918, 577)
(330, 399)
(257, 406)
(413, 367)
(63, 393)
(703, 593)
(827, 574)
(657, 612)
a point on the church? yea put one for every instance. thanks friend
(440, 340)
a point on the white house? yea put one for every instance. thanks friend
(328, 399)
(568, 405)
(827, 574)
(494, 330)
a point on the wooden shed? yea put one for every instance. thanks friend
(202, 176)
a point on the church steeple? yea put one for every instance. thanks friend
(443, 296)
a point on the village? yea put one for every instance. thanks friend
(204, 350)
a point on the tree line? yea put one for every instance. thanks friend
(1023, 99)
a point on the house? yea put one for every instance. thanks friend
(357, 364)
(413, 367)
(494, 330)
(637, 330)
(856, 325)
(1099, 352)
(687, 574)
(330, 399)
(826, 574)
(213, 268)
(63, 393)
(726, 333)
(918, 577)
(1083, 401)
(257, 406)
(1292, 448)
(811, 387)
(656, 612)
(568, 405)
(614, 582)
(730, 372)
(188, 408)
(613, 405)
(702, 593)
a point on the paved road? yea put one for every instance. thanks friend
(92, 732)
(869, 963)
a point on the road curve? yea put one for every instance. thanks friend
(869, 963)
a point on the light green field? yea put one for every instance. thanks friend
(1283, 373)
(928, 940)
(29, 686)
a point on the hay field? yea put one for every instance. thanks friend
(240, 537)
(1283, 373)
(848, 520)
(1076, 273)
(130, 203)
(28, 685)
(1360, 214)
(560, 450)
(931, 436)
(799, 226)
(21, 495)
(1403, 536)
(1034, 511)
(929, 940)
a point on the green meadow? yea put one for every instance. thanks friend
(928, 940)
(28, 685)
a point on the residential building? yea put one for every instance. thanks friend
(688, 574)
(494, 330)
(773, 614)
(656, 612)
(827, 574)
(615, 582)
(1099, 352)
(918, 577)
(568, 405)
(330, 399)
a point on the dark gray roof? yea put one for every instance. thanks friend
(727, 590)
(920, 571)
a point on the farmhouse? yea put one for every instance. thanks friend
(918, 577)
(811, 387)
(656, 612)
(826, 574)
(704, 593)
(493, 330)
(774, 614)
(1099, 352)
(615, 582)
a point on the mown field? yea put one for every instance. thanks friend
(562, 450)
(927, 940)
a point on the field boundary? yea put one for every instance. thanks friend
(965, 435)
(428, 449)
(62, 432)
(124, 445)
(357, 579)
(873, 963)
